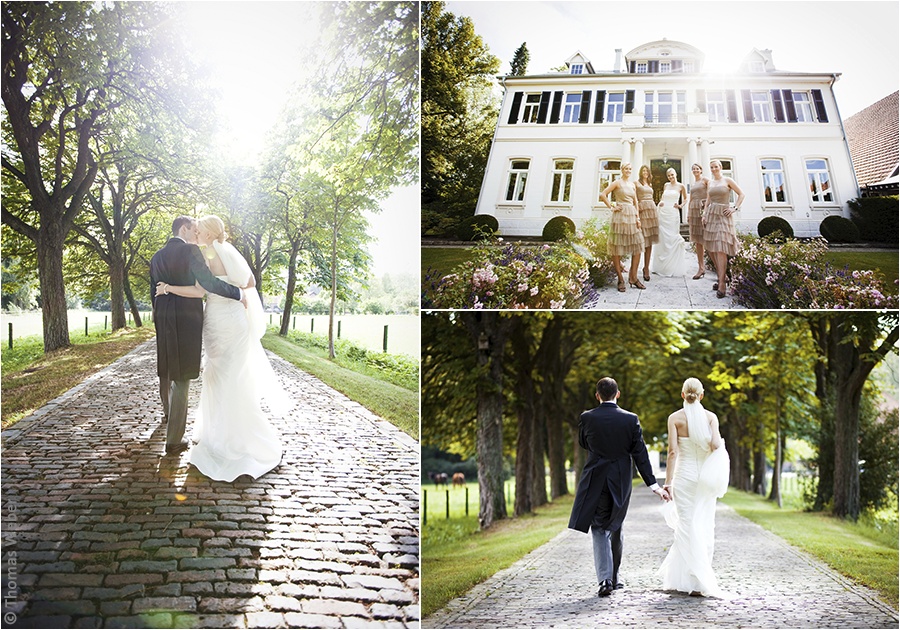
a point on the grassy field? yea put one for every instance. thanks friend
(885, 262)
(442, 259)
(856, 550)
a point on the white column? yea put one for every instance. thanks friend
(704, 156)
(638, 154)
(692, 154)
(626, 151)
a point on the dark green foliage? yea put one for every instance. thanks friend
(878, 452)
(773, 224)
(838, 229)
(558, 228)
(876, 218)
(519, 65)
(480, 225)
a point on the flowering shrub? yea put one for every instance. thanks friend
(506, 275)
(591, 243)
(769, 273)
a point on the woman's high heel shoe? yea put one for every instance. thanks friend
(636, 284)
(646, 277)
(699, 275)
(621, 286)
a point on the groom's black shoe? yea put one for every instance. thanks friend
(176, 448)
(606, 588)
(618, 586)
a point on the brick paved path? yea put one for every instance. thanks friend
(772, 585)
(100, 530)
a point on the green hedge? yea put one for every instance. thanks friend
(876, 218)
(558, 228)
(837, 229)
(773, 224)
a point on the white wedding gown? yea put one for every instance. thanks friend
(667, 258)
(234, 437)
(701, 476)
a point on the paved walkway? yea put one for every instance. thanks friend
(680, 292)
(772, 585)
(100, 530)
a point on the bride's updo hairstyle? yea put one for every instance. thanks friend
(215, 226)
(692, 390)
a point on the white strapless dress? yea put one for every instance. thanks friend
(234, 436)
(668, 255)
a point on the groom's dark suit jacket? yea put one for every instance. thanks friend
(178, 320)
(613, 438)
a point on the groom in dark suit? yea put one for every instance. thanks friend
(179, 323)
(613, 439)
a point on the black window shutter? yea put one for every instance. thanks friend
(601, 106)
(585, 113)
(514, 110)
(653, 67)
(629, 101)
(748, 106)
(701, 100)
(631, 66)
(821, 114)
(732, 105)
(557, 105)
(544, 106)
(779, 107)
(676, 65)
(789, 108)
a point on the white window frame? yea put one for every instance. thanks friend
(814, 182)
(571, 107)
(615, 109)
(531, 107)
(654, 103)
(687, 66)
(769, 177)
(517, 180)
(665, 67)
(640, 67)
(606, 176)
(803, 106)
(561, 181)
(717, 108)
(757, 66)
(576, 68)
(762, 106)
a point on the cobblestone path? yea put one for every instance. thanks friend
(771, 585)
(101, 530)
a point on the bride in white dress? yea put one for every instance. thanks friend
(697, 473)
(233, 435)
(668, 256)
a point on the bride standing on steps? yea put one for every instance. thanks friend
(668, 255)
(234, 437)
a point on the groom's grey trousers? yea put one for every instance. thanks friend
(174, 395)
(607, 553)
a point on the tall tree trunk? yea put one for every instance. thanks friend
(539, 474)
(334, 235)
(289, 292)
(488, 331)
(132, 303)
(117, 292)
(524, 388)
(50, 245)
(738, 454)
(577, 452)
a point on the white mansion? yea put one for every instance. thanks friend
(562, 137)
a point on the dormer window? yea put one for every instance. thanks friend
(665, 67)
(576, 68)
(757, 66)
(688, 66)
(641, 67)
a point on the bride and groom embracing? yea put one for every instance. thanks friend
(233, 436)
(696, 475)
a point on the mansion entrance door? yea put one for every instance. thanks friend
(658, 170)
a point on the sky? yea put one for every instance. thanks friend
(256, 51)
(859, 40)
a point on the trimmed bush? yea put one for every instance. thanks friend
(838, 229)
(558, 229)
(480, 225)
(876, 218)
(773, 224)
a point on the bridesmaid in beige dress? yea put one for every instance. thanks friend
(647, 212)
(719, 235)
(625, 237)
(695, 213)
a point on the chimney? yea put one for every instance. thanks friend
(617, 67)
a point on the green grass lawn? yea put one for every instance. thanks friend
(456, 556)
(31, 378)
(860, 552)
(884, 262)
(396, 404)
(442, 259)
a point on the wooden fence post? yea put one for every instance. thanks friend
(385, 338)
